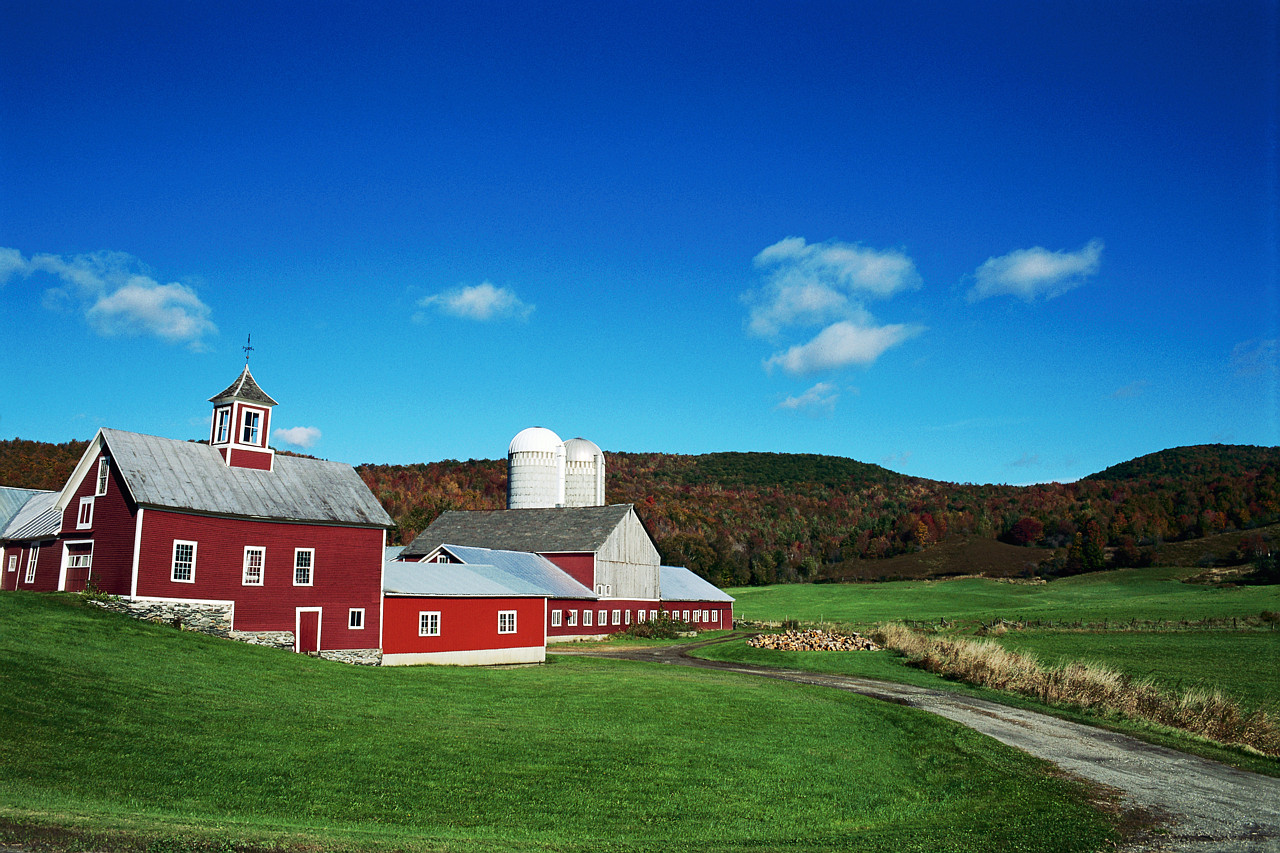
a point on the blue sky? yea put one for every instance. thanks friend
(978, 242)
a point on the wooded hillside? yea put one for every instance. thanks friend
(750, 518)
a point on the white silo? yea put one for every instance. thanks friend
(583, 473)
(535, 470)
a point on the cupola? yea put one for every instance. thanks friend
(241, 424)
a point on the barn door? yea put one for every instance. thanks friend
(307, 633)
(78, 559)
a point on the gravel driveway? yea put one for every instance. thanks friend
(1205, 807)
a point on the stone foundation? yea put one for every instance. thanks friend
(356, 657)
(215, 620)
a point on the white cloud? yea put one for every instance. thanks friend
(478, 302)
(1256, 357)
(1026, 460)
(814, 284)
(117, 296)
(1031, 273)
(305, 437)
(840, 345)
(821, 396)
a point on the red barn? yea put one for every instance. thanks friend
(471, 606)
(604, 548)
(224, 531)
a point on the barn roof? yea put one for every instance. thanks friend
(244, 388)
(484, 572)
(182, 475)
(37, 517)
(676, 583)
(544, 531)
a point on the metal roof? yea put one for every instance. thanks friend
(38, 518)
(182, 475)
(495, 573)
(560, 529)
(244, 388)
(12, 500)
(676, 583)
(528, 568)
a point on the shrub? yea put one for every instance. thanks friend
(662, 628)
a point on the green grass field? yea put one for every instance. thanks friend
(135, 734)
(1120, 596)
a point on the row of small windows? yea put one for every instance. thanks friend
(569, 618)
(429, 622)
(254, 568)
(79, 555)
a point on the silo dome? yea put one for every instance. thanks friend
(535, 470)
(584, 473)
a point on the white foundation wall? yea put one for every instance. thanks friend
(474, 657)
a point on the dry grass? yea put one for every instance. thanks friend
(1207, 713)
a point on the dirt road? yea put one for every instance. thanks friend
(1206, 807)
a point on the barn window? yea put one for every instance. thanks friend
(355, 617)
(302, 560)
(104, 467)
(603, 619)
(626, 617)
(254, 558)
(686, 616)
(429, 623)
(586, 618)
(250, 433)
(617, 617)
(85, 519)
(31, 563)
(653, 614)
(715, 615)
(13, 562)
(506, 621)
(555, 618)
(80, 555)
(571, 618)
(184, 561)
(224, 426)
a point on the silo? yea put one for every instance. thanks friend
(583, 473)
(535, 470)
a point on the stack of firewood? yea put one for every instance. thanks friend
(813, 641)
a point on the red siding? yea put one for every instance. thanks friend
(48, 564)
(255, 459)
(112, 531)
(581, 567)
(466, 624)
(347, 572)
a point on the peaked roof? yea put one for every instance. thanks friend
(483, 572)
(183, 475)
(244, 388)
(36, 517)
(680, 584)
(543, 531)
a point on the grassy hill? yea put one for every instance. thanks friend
(125, 735)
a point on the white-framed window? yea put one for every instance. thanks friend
(686, 616)
(254, 560)
(617, 617)
(441, 558)
(506, 621)
(715, 615)
(13, 562)
(653, 614)
(104, 475)
(303, 561)
(31, 563)
(555, 618)
(184, 561)
(222, 431)
(602, 618)
(586, 618)
(571, 618)
(84, 519)
(626, 617)
(429, 623)
(249, 435)
(80, 555)
(355, 618)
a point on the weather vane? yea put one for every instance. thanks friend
(247, 348)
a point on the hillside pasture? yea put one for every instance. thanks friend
(137, 736)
